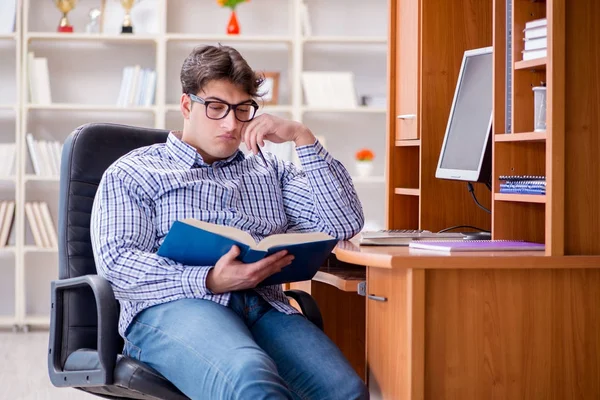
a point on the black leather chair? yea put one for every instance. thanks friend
(84, 349)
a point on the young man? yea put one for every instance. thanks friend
(204, 327)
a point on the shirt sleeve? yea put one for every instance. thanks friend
(124, 243)
(320, 196)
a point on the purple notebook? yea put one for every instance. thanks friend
(475, 245)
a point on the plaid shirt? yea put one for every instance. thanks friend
(145, 191)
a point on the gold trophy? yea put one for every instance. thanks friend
(65, 6)
(127, 5)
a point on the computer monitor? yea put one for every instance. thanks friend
(466, 151)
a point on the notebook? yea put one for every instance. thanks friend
(451, 246)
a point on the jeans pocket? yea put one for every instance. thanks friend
(131, 350)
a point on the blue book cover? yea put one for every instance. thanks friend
(197, 243)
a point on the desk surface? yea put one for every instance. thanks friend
(404, 257)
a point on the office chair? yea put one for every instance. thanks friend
(84, 347)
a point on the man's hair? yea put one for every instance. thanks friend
(208, 63)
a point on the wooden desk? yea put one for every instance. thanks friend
(504, 325)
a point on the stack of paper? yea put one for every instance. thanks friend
(536, 40)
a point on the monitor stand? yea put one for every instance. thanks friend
(477, 235)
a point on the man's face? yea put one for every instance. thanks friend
(214, 139)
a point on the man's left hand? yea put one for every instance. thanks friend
(276, 130)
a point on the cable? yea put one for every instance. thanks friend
(462, 226)
(489, 186)
(471, 190)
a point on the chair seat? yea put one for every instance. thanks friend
(132, 379)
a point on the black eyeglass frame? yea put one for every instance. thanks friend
(230, 107)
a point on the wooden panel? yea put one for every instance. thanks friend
(402, 211)
(344, 322)
(524, 80)
(407, 192)
(537, 64)
(582, 129)
(395, 334)
(407, 69)
(406, 167)
(512, 334)
(519, 221)
(521, 137)
(525, 198)
(499, 43)
(449, 28)
(555, 127)
(519, 158)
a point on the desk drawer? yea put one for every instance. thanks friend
(394, 333)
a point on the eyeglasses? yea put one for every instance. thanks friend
(216, 109)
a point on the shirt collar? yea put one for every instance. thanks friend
(186, 155)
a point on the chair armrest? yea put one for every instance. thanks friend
(108, 341)
(308, 305)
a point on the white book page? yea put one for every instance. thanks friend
(291, 238)
(227, 231)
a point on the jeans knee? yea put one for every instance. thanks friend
(353, 389)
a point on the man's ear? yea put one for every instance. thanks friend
(185, 105)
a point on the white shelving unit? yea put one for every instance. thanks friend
(85, 76)
(10, 126)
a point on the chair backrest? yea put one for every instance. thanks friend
(87, 153)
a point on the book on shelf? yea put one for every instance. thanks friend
(476, 245)
(536, 33)
(7, 213)
(41, 224)
(329, 89)
(536, 44)
(45, 155)
(8, 13)
(7, 157)
(536, 23)
(534, 54)
(198, 243)
(38, 79)
(138, 87)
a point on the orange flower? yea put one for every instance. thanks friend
(365, 155)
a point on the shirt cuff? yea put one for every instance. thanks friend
(193, 281)
(313, 156)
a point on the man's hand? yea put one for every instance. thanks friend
(276, 130)
(230, 274)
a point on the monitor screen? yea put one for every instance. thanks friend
(465, 151)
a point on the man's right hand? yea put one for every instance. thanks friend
(230, 274)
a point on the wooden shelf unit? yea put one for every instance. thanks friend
(561, 218)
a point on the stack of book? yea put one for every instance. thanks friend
(7, 213)
(42, 227)
(536, 42)
(45, 156)
(138, 86)
(522, 184)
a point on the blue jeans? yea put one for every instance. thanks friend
(248, 350)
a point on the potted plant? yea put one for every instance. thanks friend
(233, 27)
(364, 162)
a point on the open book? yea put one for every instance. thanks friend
(197, 243)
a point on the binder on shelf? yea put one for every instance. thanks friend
(42, 227)
(45, 156)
